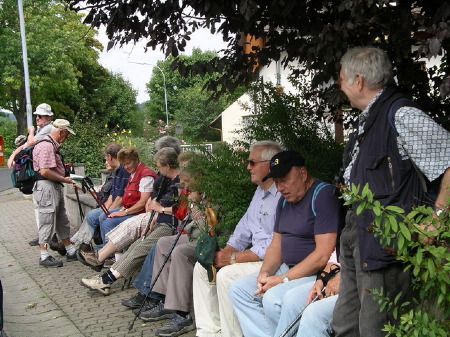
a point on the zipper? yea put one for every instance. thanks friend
(391, 172)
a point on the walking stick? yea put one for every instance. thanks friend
(299, 316)
(87, 183)
(159, 195)
(155, 278)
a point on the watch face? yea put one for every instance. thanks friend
(285, 279)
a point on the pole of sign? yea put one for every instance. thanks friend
(25, 64)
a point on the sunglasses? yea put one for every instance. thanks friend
(39, 116)
(254, 162)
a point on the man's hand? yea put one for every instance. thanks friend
(222, 258)
(265, 282)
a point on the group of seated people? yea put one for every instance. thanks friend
(266, 273)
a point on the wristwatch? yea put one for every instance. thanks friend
(285, 278)
(233, 258)
(163, 210)
(126, 210)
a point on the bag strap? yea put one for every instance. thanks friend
(314, 196)
(315, 193)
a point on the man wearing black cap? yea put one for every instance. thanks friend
(305, 235)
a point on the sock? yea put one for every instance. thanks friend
(44, 254)
(108, 277)
(70, 249)
(183, 314)
(117, 256)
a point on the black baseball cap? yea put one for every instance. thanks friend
(282, 162)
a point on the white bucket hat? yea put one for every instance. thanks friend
(63, 124)
(43, 109)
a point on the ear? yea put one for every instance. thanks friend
(359, 81)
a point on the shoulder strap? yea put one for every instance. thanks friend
(315, 193)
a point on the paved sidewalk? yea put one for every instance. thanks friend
(50, 302)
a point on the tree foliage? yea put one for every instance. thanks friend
(287, 118)
(188, 102)
(63, 66)
(314, 34)
(403, 235)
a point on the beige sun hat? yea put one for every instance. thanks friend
(63, 124)
(43, 109)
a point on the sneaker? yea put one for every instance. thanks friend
(156, 313)
(50, 261)
(178, 325)
(149, 304)
(71, 257)
(135, 301)
(34, 242)
(96, 283)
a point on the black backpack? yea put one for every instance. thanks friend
(23, 175)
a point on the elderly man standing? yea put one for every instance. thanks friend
(213, 311)
(394, 146)
(48, 192)
(44, 116)
(305, 234)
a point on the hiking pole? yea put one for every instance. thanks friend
(159, 195)
(167, 257)
(299, 317)
(89, 185)
(80, 209)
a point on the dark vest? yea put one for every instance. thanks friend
(392, 180)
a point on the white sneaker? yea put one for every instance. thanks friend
(96, 283)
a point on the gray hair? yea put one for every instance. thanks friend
(167, 156)
(270, 148)
(168, 141)
(371, 63)
(113, 149)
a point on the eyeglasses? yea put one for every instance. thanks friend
(255, 162)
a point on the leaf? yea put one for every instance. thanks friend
(406, 233)
(394, 209)
(361, 207)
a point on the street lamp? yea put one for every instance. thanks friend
(165, 90)
(25, 64)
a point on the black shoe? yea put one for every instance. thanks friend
(57, 247)
(34, 242)
(135, 301)
(85, 247)
(156, 314)
(50, 261)
(149, 304)
(71, 257)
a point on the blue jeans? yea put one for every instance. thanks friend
(109, 223)
(258, 316)
(94, 217)
(144, 280)
(316, 317)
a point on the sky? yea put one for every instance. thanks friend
(120, 60)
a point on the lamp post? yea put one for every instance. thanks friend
(25, 64)
(165, 90)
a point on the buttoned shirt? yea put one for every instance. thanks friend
(45, 156)
(255, 228)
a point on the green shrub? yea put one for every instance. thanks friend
(429, 312)
(223, 177)
(8, 131)
(290, 119)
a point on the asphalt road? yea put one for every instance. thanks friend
(5, 179)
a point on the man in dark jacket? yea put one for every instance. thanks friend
(394, 146)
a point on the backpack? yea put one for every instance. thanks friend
(23, 175)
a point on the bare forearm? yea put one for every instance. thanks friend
(309, 266)
(444, 191)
